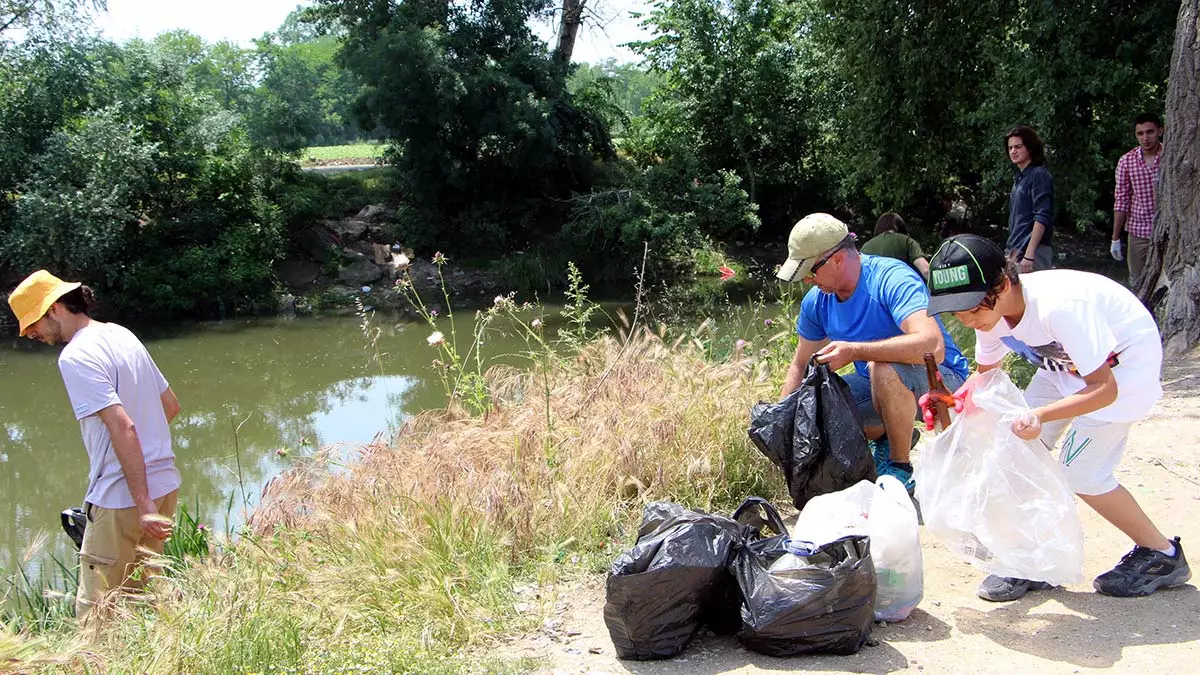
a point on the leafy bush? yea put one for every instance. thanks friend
(144, 188)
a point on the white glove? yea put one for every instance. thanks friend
(1115, 250)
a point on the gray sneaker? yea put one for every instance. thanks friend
(1007, 589)
(1143, 571)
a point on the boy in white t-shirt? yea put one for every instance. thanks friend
(124, 407)
(1099, 355)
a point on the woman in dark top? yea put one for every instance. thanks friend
(1031, 204)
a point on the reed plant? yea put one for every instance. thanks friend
(412, 560)
(418, 557)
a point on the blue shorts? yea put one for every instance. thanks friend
(911, 374)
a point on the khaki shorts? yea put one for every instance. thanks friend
(114, 551)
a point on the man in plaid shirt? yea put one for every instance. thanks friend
(1135, 199)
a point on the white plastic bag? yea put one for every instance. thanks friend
(999, 501)
(883, 512)
(896, 550)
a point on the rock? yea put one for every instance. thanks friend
(360, 272)
(351, 255)
(298, 273)
(348, 230)
(375, 213)
(318, 242)
(287, 304)
(364, 247)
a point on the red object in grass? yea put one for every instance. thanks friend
(726, 273)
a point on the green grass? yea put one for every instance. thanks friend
(351, 151)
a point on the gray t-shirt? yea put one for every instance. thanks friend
(104, 365)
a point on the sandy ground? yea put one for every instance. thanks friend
(1065, 630)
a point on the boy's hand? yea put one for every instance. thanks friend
(963, 401)
(1028, 427)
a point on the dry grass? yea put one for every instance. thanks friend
(407, 560)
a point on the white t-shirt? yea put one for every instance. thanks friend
(104, 365)
(1074, 322)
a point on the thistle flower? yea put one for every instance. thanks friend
(400, 261)
(282, 452)
(739, 345)
(535, 324)
(439, 259)
(436, 339)
(768, 322)
(403, 283)
(433, 312)
(201, 527)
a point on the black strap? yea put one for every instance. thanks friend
(754, 508)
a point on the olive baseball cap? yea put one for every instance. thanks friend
(961, 272)
(811, 236)
(32, 298)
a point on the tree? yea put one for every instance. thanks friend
(488, 138)
(926, 91)
(740, 95)
(30, 13)
(1174, 260)
(568, 29)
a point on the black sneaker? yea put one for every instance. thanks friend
(1007, 589)
(1143, 571)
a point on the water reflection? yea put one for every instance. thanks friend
(247, 389)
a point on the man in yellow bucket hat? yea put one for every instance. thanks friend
(124, 407)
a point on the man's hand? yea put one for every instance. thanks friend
(1028, 427)
(1115, 250)
(1026, 265)
(837, 354)
(154, 524)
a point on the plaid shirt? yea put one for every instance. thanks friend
(1136, 191)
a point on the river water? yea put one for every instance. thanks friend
(293, 384)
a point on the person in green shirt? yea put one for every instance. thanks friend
(891, 240)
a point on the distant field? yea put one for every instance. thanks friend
(333, 153)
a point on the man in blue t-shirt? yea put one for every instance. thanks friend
(869, 311)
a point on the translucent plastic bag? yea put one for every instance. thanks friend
(999, 501)
(884, 513)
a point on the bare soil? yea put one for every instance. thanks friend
(1064, 630)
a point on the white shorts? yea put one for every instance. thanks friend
(1092, 448)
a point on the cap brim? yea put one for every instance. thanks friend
(955, 302)
(793, 270)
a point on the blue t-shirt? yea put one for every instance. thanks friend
(888, 291)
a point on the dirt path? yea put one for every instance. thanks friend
(1066, 630)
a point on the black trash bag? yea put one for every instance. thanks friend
(673, 581)
(800, 601)
(825, 450)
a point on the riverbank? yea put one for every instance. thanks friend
(1065, 630)
(417, 556)
(459, 544)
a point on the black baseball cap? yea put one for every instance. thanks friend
(962, 271)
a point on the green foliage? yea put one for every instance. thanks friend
(488, 133)
(136, 182)
(672, 206)
(925, 93)
(740, 95)
(627, 85)
(578, 312)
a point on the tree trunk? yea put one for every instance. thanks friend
(568, 29)
(1174, 260)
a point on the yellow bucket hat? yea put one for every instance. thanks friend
(32, 298)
